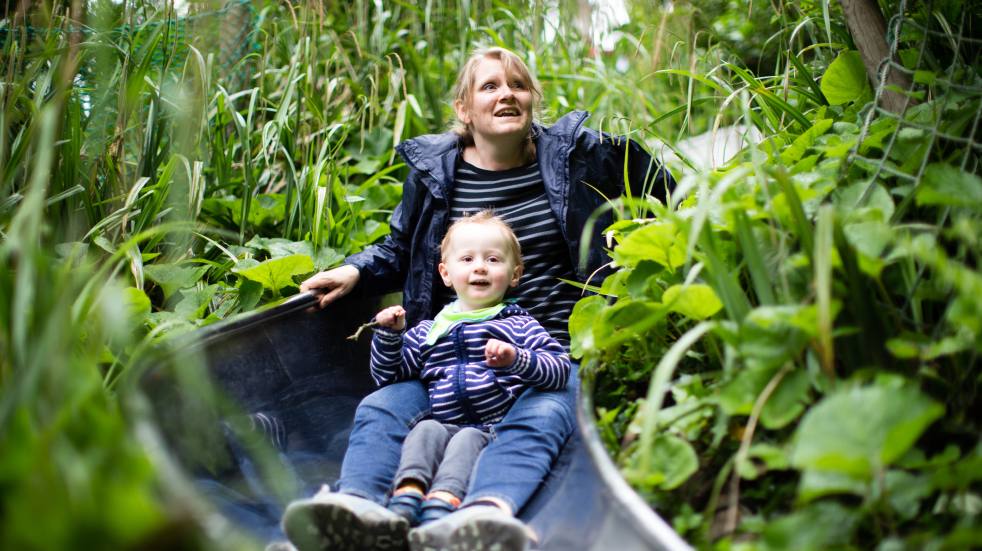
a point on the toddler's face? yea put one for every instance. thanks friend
(479, 266)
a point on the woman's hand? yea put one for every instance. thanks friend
(499, 353)
(332, 284)
(393, 317)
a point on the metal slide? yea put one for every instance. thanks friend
(289, 376)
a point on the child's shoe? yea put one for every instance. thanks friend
(338, 522)
(434, 509)
(407, 506)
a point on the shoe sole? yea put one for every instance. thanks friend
(314, 526)
(477, 535)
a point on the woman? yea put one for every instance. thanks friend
(544, 182)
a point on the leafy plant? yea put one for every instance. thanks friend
(795, 336)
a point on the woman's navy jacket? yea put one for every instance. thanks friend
(578, 164)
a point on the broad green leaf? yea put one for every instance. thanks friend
(172, 277)
(870, 239)
(845, 79)
(772, 335)
(263, 208)
(818, 484)
(581, 321)
(848, 207)
(277, 273)
(624, 320)
(760, 459)
(861, 430)
(136, 305)
(737, 396)
(279, 247)
(195, 301)
(787, 402)
(614, 284)
(249, 294)
(697, 301)
(905, 492)
(820, 526)
(669, 463)
(640, 283)
(660, 242)
(327, 258)
(946, 185)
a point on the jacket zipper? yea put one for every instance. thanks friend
(564, 208)
(460, 378)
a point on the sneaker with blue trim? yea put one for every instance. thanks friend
(342, 522)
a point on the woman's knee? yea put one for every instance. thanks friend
(406, 401)
(543, 411)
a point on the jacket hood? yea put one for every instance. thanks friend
(512, 310)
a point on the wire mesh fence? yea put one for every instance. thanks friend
(944, 101)
(228, 33)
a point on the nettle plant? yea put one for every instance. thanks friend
(789, 357)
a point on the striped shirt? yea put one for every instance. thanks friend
(518, 196)
(463, 390)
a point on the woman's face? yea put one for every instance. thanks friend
(500, 106)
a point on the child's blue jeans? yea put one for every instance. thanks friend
(527, 442)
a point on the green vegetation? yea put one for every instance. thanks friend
(789, 359)
(786, 356)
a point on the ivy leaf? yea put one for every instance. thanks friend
(801, 144)
(697, 301)
(945, 185)
(667, 465)
(277, 273)
(861, 430)
(585, 312)
(845, 79)
(870, 239)
(660, 242)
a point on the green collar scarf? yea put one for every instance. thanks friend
(449, 317)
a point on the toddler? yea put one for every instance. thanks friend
(476, 357)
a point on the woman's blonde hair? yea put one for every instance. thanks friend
(465, 85)
(487, 217)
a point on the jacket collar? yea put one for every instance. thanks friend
(436, 154)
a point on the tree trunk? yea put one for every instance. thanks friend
(869, 30)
